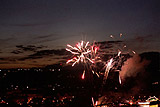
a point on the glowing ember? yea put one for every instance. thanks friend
(111, 36)
(83, 74)
(96, 103)
(119, 53)
(120, 34)
(93, 101)
(120, 80)
(134, 52)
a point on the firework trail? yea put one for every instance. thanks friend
(108, 67)
(113, 64)
(83, 74)
(120, 80)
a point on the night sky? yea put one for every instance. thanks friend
(34, 33)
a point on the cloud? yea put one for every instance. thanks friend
(6, 41)
(4, 62)
(16, 51)
(49, 52)
(108, 44)
(2, 58)
(22, 49)
(8, 60)
(29, 47)
(143, 38)
(45, 36)
(46, 53)
(144, 43)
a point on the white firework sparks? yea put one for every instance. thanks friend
(83, 53)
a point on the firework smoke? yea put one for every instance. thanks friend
(133, 66)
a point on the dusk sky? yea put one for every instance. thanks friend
(34, 33)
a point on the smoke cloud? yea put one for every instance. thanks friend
(133, 66)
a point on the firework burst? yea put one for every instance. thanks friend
(83, 53)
